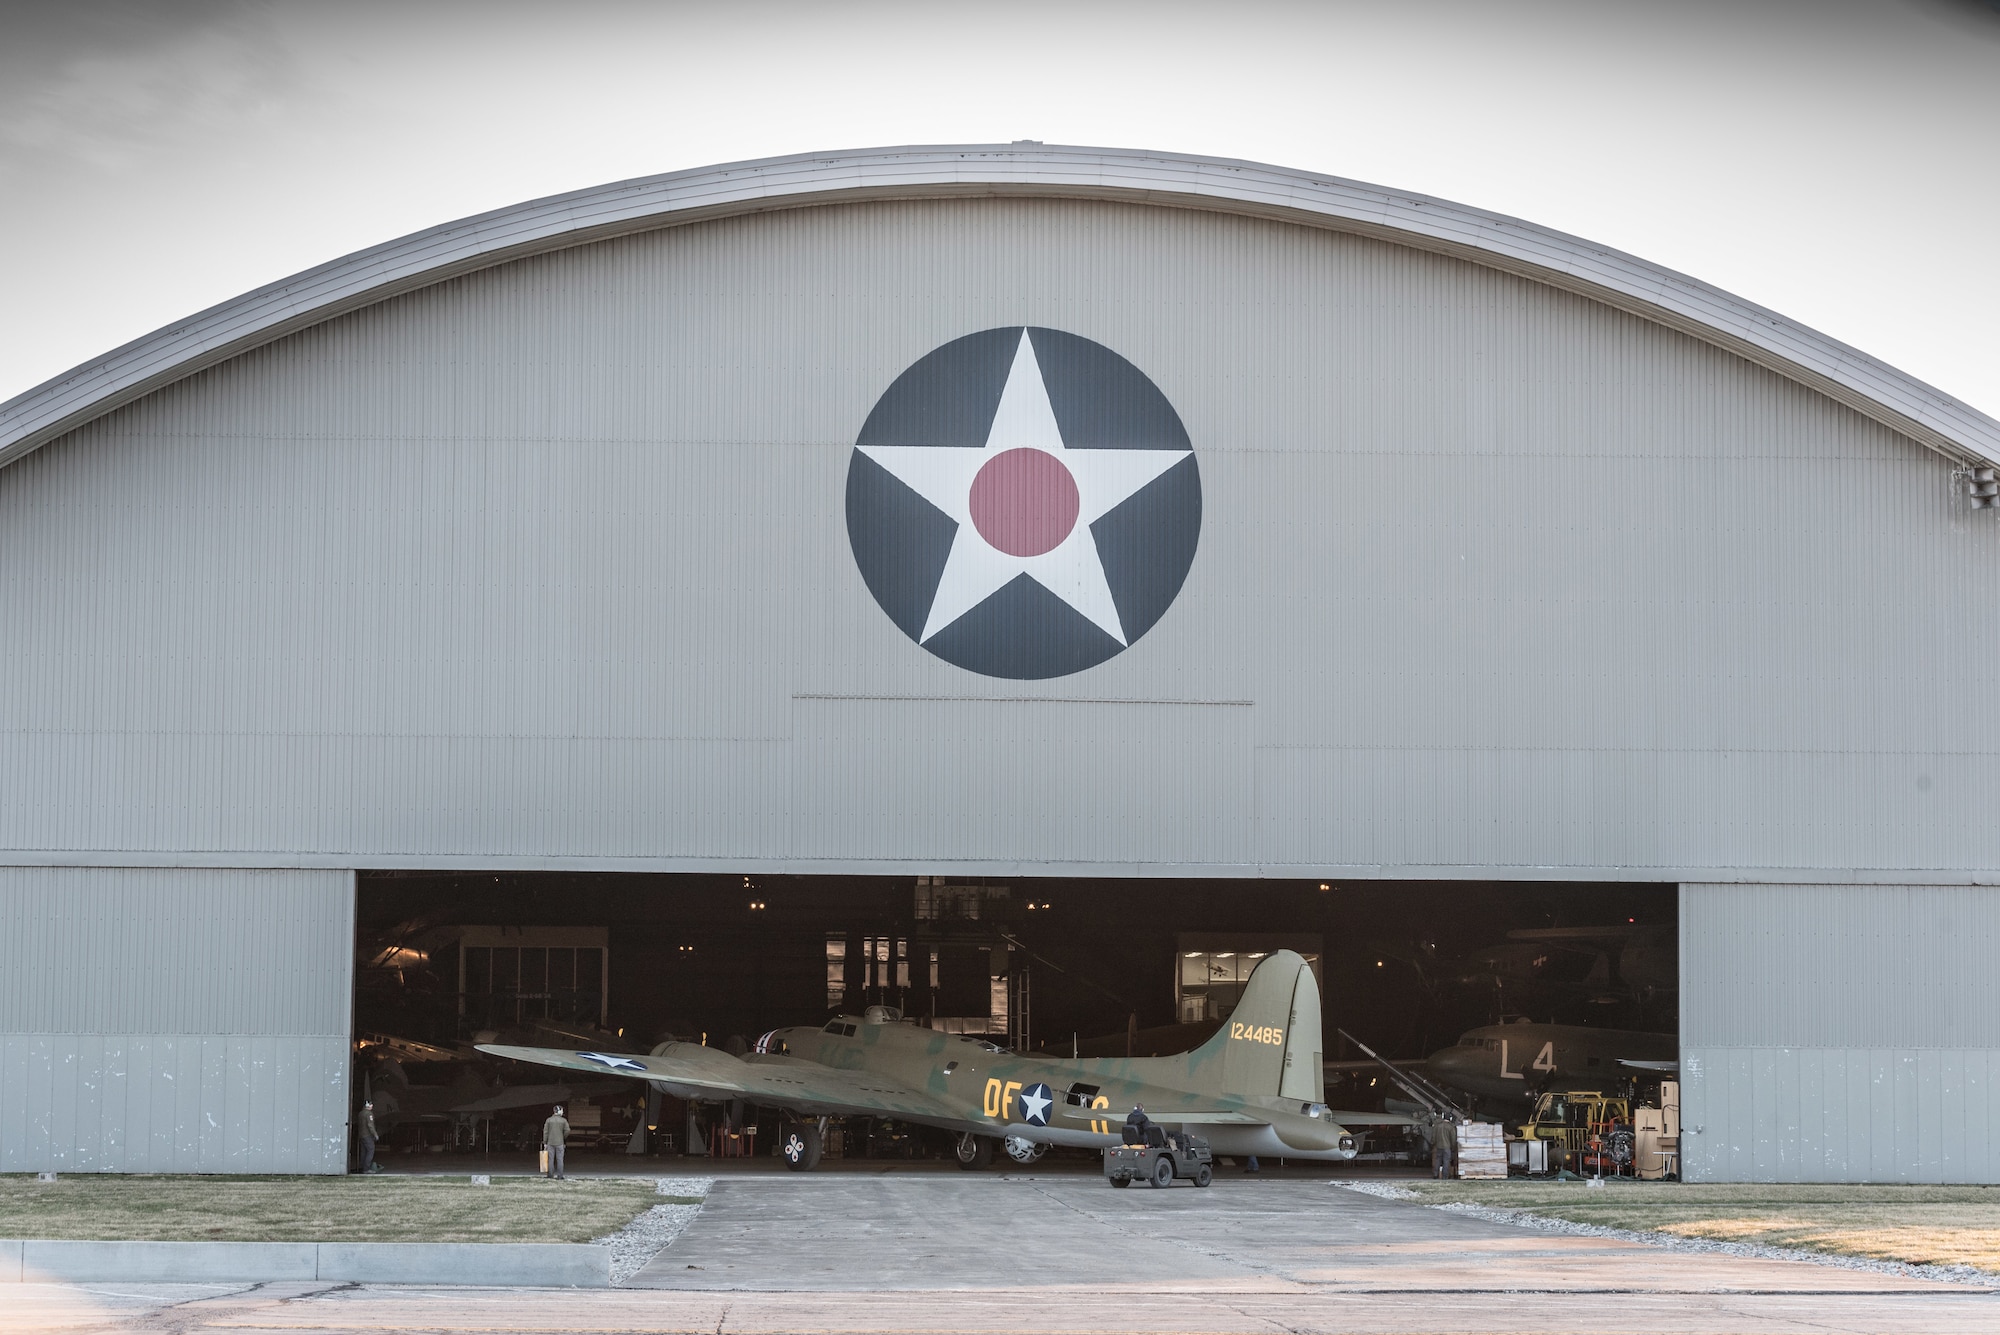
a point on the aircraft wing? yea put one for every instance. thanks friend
(1235, 1117)
(1667, 1067)
(408, 1049)
(800, 1086)
(1214, 1117)
(528, 1096)
(1610, 933)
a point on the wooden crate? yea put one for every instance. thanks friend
(1482, 1149)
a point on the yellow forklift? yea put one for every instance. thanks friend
(1589, 1132)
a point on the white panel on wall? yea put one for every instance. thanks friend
(174, 1020)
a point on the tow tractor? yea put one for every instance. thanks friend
(1589, 1130)
(1160, 1160)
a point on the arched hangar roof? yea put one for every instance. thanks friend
(1869, 386)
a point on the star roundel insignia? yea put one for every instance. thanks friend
(614, 1062)
(1023, 502)
(1036, 1100)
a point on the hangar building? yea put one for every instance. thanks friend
(706, 524)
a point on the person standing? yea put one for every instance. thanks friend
(555, 1132)
(368, 1138)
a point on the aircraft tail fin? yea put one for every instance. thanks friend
(1270, 1046)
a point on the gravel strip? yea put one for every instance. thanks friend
(645, 1237)
(1954, 1274)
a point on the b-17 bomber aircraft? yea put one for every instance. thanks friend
(1256, 1087)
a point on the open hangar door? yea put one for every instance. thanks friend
(1096, 967)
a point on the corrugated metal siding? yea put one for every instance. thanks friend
(162, 1020)
(540, 565)
(1836, 1033)
(979, 780)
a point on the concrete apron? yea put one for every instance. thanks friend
(527, 1264)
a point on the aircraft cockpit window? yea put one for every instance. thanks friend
(981, 1043)
(832, 1027)
(849, 1030)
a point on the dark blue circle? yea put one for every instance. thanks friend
(1102, 402)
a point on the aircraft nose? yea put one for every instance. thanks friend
(1448, 1065)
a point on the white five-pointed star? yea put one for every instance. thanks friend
(1035, 1107)
(975, 569)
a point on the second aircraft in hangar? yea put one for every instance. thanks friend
(1520, 1060)
(1256, 1087)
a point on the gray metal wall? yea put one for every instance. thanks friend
(1840, 1033)
(546, 566)
(167, 1020)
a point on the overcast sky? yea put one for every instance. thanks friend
(1839, 162)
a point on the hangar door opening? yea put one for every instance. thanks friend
(1474, 983)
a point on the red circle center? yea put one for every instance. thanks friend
(1024, 502)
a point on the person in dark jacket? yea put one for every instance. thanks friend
(1136, 1123)
(368, 1138)
(1441, 1139)
(555, 1133)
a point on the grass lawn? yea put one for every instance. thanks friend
(322, 1209)
(1931, 1225)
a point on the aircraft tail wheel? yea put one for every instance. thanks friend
(1163, 1172)
(800, 1147)
(1203, 1176)
(974, 1152)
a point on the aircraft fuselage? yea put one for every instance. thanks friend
(1056, 1101)
(1518, 1061)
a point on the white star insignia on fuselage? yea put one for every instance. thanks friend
(1035, 1107)
(975, 570)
